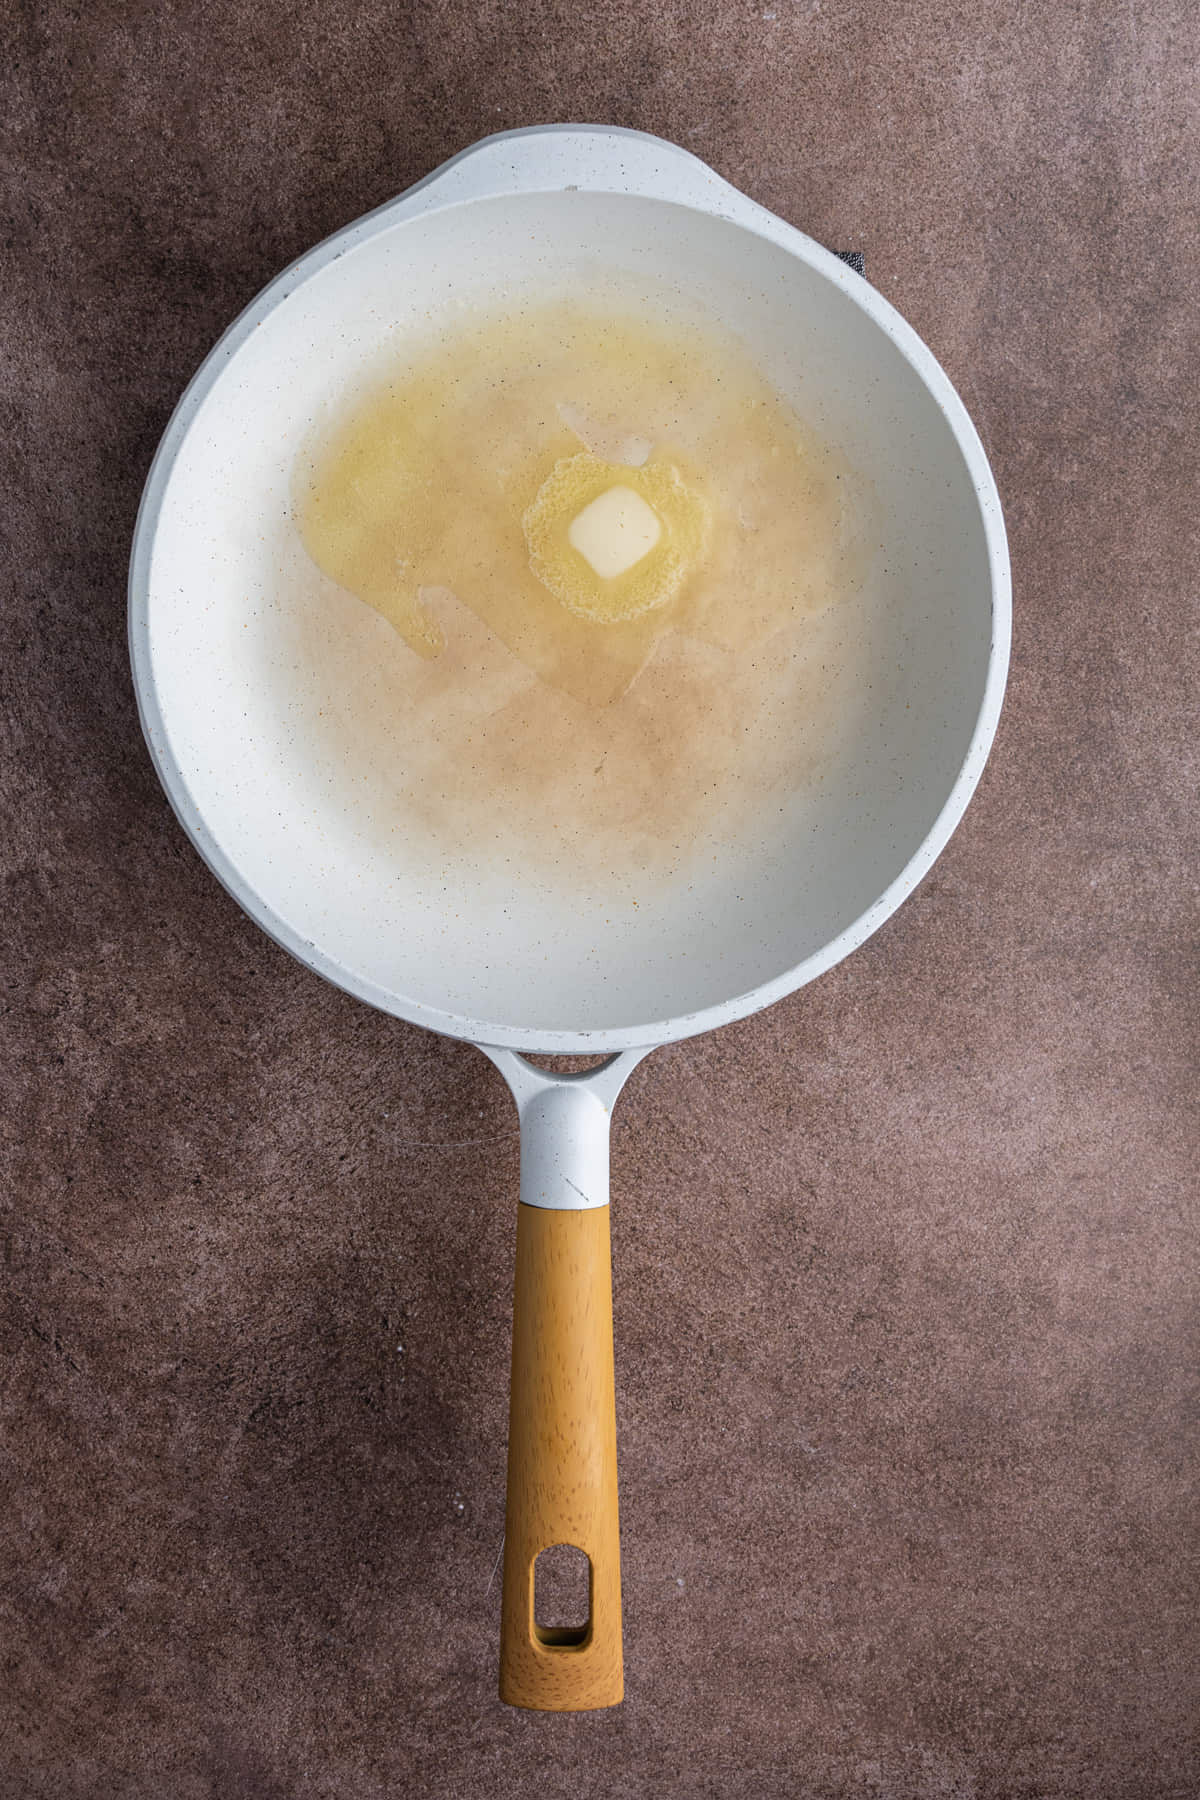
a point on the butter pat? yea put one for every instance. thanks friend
(611, 542)
(614, 532)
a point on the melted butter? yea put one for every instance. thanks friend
(602, 720)
(576, 487)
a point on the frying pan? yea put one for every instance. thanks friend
(472, 945)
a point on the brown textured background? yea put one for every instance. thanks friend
(905, 1268)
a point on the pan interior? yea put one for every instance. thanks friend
(286, 813)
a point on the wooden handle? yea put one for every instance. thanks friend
(562, 1460)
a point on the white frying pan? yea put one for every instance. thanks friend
(495, 954)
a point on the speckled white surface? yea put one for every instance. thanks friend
(475, 947)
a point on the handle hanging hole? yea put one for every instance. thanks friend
(562, 1596)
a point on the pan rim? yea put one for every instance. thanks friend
(498, 1032)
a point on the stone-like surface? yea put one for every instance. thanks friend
(905, 1268)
